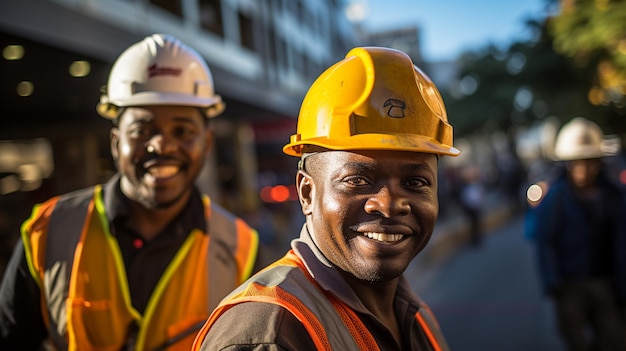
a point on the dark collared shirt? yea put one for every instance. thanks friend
(145, 261)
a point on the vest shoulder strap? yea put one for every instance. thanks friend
(65, 227)
(301, 297)
(222, 263)
(430, 326)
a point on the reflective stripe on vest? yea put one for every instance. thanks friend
(60, 257)
(227, 247)
(331, 324)
(64, 275)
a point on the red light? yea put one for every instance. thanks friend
(280, 193)
(266, 194)
(622, 176)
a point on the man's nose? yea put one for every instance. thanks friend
(388, 203)
(160, 144)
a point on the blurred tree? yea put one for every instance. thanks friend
(502, 90)
(593, 33)
(505, 89)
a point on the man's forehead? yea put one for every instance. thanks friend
(340, 158)
(148, 113)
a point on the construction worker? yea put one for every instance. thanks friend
(137, 263)
(370, 131)
(579, 228)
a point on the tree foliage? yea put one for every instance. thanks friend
(532, 80)
(593, 33)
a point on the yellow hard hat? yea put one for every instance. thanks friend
(160, 70)
(374, 99)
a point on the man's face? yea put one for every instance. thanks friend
(159, 151)
(583, 173)
(370, 212)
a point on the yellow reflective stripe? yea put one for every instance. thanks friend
(115, 251)
(100, 209)
(207, 206)
(162, 284)
(252, 255)
(26, 242)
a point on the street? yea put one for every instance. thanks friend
(488, 297)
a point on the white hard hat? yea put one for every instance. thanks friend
(579, 139)
(160, 70)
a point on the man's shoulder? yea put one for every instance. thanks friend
(79, 194)
(555, 189)
(69, 203)
(65, 202)
(217, 209)
(257, 323)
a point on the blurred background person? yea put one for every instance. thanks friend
(580, 232)
(472, 198)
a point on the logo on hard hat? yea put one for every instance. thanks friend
(585, 139)
(395, 108)
(155, 70)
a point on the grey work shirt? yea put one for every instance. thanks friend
(264, 326)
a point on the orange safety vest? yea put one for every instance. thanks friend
(85, 297)
(314, 308)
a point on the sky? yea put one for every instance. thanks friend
(449, 27)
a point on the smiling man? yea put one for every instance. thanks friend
(137, 263)
(370, 132)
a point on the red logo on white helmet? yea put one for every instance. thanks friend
(154, 71)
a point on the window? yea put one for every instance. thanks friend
(172, 6)
(245, 31)
(211, 16)
(271, 35)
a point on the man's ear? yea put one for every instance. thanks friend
(115, 142)
(306, 191)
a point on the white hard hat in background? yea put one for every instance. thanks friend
(579, 139)
(160, 70)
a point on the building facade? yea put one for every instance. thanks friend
(57, 55)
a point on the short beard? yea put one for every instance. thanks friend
(145, 197)
(149, 202)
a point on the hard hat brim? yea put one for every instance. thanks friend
(214, 105)
(396, 142)
(579, 139)
(580, 155)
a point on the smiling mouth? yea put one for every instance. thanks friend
(388, 238)
(163, 171)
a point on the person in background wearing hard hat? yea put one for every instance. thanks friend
(580, 233)
(137, 263)
(370, 131)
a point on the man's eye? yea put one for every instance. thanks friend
(184, 132)
(137, 132)
(356, 181)
(417, 182)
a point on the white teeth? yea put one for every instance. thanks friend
(384, 237)
(163, 171)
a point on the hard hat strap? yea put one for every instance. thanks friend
(301, 165)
